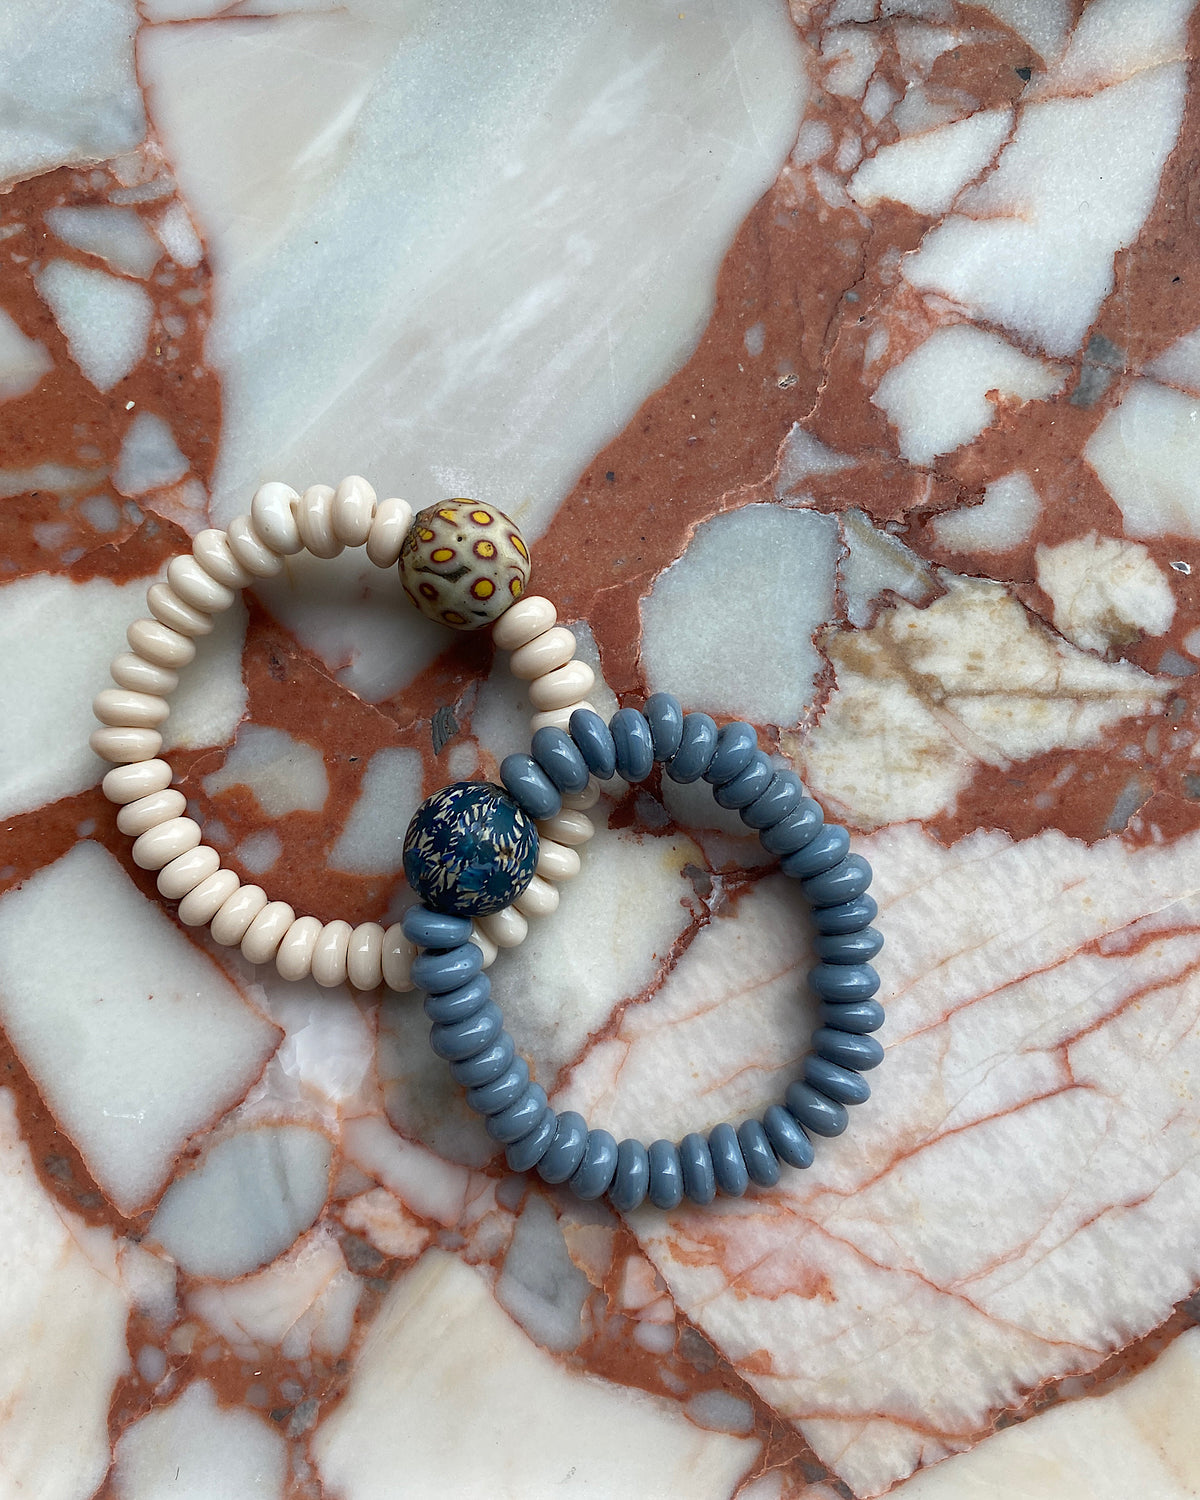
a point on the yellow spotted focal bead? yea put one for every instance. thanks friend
(463, 563)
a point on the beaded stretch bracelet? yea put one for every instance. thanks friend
(462, 563)
(468, 1027)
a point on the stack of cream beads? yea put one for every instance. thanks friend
(204, 582)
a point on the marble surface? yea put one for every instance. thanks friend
(843, 364)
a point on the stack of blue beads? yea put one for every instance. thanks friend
(468, 1027)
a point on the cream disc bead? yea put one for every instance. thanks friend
(196, 587)
(567, 827)
(126, 784)
(581, 801)
(136, 818)
(364, 955)
(523, 621)
(397, 959)
(353, 512)
(314, 517)
(119, 744)
(484, 944)
(556, 861)
(126, 709)
(169, 609)
(251, 551)
(159, 845)
(265, 933)
(186, 871)
(159, 644)
(212, 551)
(330, 954)
(538, 899)
(235, 915)
(293, 960)
(274, 516)
(393, 518)
(562, 686)
(506, 928)
(558, 718)
(141, 676)
(202, 904)
(553, 648)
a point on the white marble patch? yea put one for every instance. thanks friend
(23, 361)
(372, 840)
(1115, 39)
(1107, 592)
(1043, 23)
(116, 235)
(149, 458)
(134, 1038)
(283, 773)
(1146, 452)
(539, 1284)
(106, 319)
(927, 171)
(1179, 363)
(1004, 518)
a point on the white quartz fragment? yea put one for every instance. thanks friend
(106, 319)
(927, 171)
(23, 361)
(149, 456)
(116, 235)
(284, 774)
(1004, 518)
(1146, 452)
(1106, 591)
(372, 840)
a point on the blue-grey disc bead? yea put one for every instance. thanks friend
(699, 1180)
(819, 854)
(462, 1039)
(635, 748)
(496, 1058)
(788, 1141)
(559, 756)
(814, 1111)
(843, 981)
(520, 1117)
(729, 1166)
(850, 916)
(736, 743)
(761, 1161)
(565, 1151)
(847, 1049)
(849, 878)
(696, 745)
(748, 785)
(435, 929)
(442, 970)
(499, 1092)
(849, 947)
(595, 744)
(795, 829)
(524, 1155)
(842, 1085)
(457, 1005)
(665, 718)
(858, 1016)
(631, 1180)
(666, 1175)
(591, 1178)
(781, 795)
(529, 786)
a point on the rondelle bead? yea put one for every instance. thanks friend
(562, 687)
(161, 844)
(595, 742)
(530, 787)
(843, 981)
(858, 1016)
(842, 1085)
(697, 741)
(544, 653)
(212, 551)
(565, 1151)
(664, 715)
(761, 1161)
(469, 849)
(788, 1140)
(781, 796)
(523, 621)
(159, 644)
(506, 928)
(814, 1111)
(559, 757)
(494, 1059)
(229, 925)
(558, 718)
(293, 957)
(251, 550)
(364, 956)
(169, 609)
(438, 971)
(556, 861)
(505, 1089)
(353, 510)
(591, 1178)
(849, 916)
(849, 947)
(463, 1039)
(849, 878)
(736, 743)
(397, 959)
(457, 1005)
(203, 902)
(125, 784)
(795, 829)
(695, 1159)
(435, 929)
(862, 1053)
(567, 827)
(185, 872)
(581, 801)
(729, 1166)
(393, 517)
(148, 812)
(266, 932)
(123, 746)
(631, 1180)
(524, 1155)
(330, 954)
(273, 513)
(197, 587)
(484, 944)
(819, 854)
(635, 749)
(463, 563)
(538, 899)
(748, 785)
(520, 1117)
(666, 1175)
(132, 671)
(128, 709)
(314, 516)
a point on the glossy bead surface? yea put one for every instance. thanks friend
(849, 947)
(761, 1161)
(250, 550)
(560, 758)
(795, 829)
(185, 872)
(463, 1039)
(522, 622)
(203, 902)
(170, 610)
(148, 812)
(463, 563)
(273, 514)
(591, 1178)
(314, 517)
(842, 1085)
(469, 849)
(435, 929)
(506, 928)
(729, 1166)
(437, 971)
(862, 1053)
(848, 879)
(505, 1089)
(736, 743)
(849, 916)
(665, 717)
(125, 784)
(814, 1111)
(781, 796)
(821, 853)
(123, 746)
(293, 958)
(547, 652)
(635, 749)
(364, 956)
(666, 1175)
(565, 1151)
(353, 510)
(859, 1016)
(393, 517)
(524, 1155)
(520, 1117)
(562, 687)
(488, 1063)
(530, 787)
(699, 1180)
(128, 670)
(697, 741)
(788, 1140)
(591, 736)
(748, 785)
(330, 953)
(843, 981)
(631, 1180)
(457, 1005)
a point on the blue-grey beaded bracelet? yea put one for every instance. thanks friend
(473, 847)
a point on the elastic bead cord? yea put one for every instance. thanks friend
(729, 1160)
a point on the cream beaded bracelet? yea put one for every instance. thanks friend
(462, 563)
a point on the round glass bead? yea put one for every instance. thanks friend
(464, 563)
(470, 849)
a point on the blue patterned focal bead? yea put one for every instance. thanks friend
(470, 849)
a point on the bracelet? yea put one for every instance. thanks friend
(462, 563)
(468, 1026)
